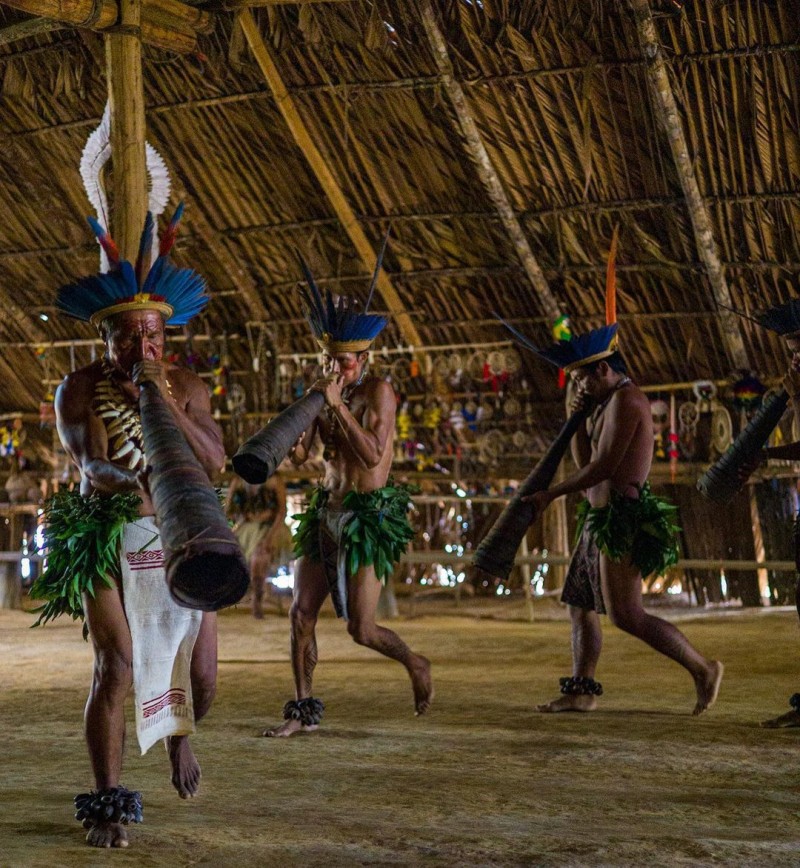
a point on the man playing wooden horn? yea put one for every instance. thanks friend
(784, 320)
(355, 526)
(104, 555)
(625, 532)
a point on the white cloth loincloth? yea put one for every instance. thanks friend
(163, 636)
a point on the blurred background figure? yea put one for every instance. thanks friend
(260, 514)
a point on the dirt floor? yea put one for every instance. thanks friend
(481, 780)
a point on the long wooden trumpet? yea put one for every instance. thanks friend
(204, 562)
(496, 551)
(723, 480)
(258, 458)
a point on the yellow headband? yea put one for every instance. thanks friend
(143, 303)
(335, 347)
(597, 357)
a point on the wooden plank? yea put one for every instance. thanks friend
(483, 163)
(126, 100)
(328, 182)
(666, 110)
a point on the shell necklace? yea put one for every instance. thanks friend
(121, 420)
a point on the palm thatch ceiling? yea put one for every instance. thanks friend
(558, 94)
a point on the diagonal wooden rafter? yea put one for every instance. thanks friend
(666, 110)
(486, 170)
(26, 29)
(324, 175)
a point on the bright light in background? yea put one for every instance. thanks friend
(284, 580)
(44, 317)
(723, 584)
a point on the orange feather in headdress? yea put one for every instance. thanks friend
(611, 280)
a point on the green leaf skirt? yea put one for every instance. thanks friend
(83, 538)
(642, 527)
(377, 534)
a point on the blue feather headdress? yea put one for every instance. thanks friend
(578, 351)
(177, 293)
(784, 319)
(338, 326)
(593, 346)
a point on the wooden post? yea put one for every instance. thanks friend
(486, 170)
(334, 192)
(126, 98)
(666, 110)
(555, 533)
(525, 570)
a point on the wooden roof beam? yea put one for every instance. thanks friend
(167, 24)
(666, 110)
(486, 170)
(244, 4)
(324, 175)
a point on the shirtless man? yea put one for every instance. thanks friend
(356, 426)
(785, 320)
(133, 333)
(613, 452)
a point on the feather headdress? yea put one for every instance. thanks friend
(594, 345)
(339, 326)
(177, 293)
(783, 319)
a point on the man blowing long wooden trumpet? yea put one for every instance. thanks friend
(355, 527)
(625, 532)
(784, 320)
(104, 552)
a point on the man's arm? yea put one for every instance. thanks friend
(580, 445)
(369, 443)
(622, 418)
(299, 453)
(84, 437)
(194, 419)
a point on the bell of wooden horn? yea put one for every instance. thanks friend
(722, 480)
(258, 458)
(496, 551)
(204, 562)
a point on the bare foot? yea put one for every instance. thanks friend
(422, 684)
(107, 835)
(185, 768)
(791, 718)
(569, 702)
(708, 687)
(287, 728)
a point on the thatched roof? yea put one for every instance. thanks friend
(558, 91)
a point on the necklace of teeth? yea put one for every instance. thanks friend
(122, 422)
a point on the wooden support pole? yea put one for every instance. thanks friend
(324, 175)
(483, 163)
(666, 110)
(126, 100)
(555, 533)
